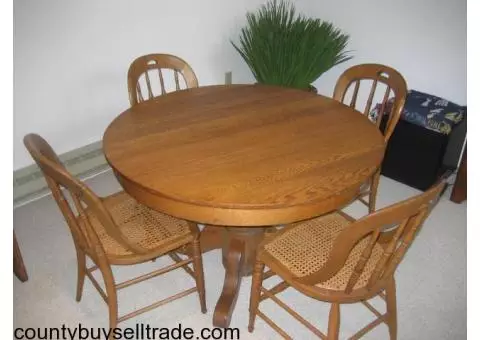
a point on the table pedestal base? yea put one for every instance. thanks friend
(238, 256)
(250, 237)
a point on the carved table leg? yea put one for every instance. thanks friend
(239, 250)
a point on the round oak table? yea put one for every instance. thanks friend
(241, 158)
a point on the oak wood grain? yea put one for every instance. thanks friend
(242, 155)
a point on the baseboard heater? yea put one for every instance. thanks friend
(84, 162)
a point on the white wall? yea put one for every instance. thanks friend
(425, 40)
(71, 57)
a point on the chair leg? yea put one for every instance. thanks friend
(111, 295)
(18, 265)
(198, 270)
(81, 272)
(334, 322)
(391, 300)
(257, 278)
(372, 196)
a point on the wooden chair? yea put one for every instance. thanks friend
(396, 86)
(337, 259)
(116, 230)
(142, 65)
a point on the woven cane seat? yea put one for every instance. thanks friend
(141, 225)
(305, 248)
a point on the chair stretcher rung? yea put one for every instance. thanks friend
(367, 328)
(177, 259)
(92, 269)
(97, 286)
(275, 290)
(297, 316)
(360, 199)
(152, 274)
(268, 274)
(157, 304)
(372, 309)
(274, 325)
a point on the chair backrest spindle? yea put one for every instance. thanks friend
(162, 82)
(360, 266)
(353, 102)
(377, 73)
(370, 98)
(177, 84)
(144, 64)
(149, 86)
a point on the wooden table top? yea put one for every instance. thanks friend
(242, 155)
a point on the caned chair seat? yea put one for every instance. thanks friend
(304, 249)
(146, 227)
(337, 259)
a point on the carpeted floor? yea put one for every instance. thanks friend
(431, 281)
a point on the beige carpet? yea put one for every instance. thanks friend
(431, 281)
